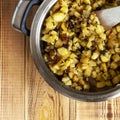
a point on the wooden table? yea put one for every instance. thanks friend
(24, 95)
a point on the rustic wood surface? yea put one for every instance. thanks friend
(23, 93)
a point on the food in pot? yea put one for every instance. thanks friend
(78, 49)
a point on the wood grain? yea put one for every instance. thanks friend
(24, 95)
(12, 66)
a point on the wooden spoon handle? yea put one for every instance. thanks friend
(109, 17)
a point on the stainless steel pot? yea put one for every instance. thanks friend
(19, 22)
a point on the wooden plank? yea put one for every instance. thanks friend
(12, 67)
(0, 60)
(72, 109)
(108, 110)
(85, 110)
(44, 103)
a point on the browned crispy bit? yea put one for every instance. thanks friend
(64, 38)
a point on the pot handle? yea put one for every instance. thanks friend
(21, 13)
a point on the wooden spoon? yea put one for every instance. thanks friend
(109, 17)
